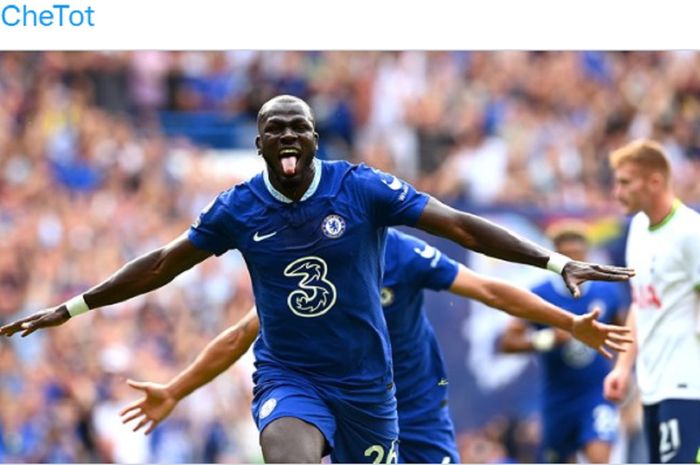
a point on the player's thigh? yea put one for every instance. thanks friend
(292, 420)
(559, 431)
(365, 433)
(428, 439)
(599, 428)
(678, 431)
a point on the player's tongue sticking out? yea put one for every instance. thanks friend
(289, 165)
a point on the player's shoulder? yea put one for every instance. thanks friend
(363, 171)
(246, 196)
(690, 218)
(639, 221)
(336, 167)
(341, 175)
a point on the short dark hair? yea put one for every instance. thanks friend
(265, 108)
(568, 230)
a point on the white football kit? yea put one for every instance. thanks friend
(666, 258)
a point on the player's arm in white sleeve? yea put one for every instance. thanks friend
(483, 236)
(222, 352)
(521, 303)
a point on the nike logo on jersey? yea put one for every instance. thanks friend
(394, 185)
(258, 238)
(443, 382)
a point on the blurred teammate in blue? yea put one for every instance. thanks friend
(575, 415)
(426, 433)
(312, 234)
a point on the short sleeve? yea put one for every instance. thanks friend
(213, 230)
(390, 200)
(433, 269)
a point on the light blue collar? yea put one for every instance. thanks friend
(318, 168)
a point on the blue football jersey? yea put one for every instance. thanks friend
(411, 266)
(574, 369)
(316, 267)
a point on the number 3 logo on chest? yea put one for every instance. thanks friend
(315, 295)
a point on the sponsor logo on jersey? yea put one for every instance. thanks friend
(315, 294)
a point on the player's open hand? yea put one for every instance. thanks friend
(600, 336)
(153, 408)
(575, 273)
(42, 319)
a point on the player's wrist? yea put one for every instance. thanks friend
(76, 306)
(557, 262)
(543, 340)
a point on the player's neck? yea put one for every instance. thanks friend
(662, 209)
(294, 189)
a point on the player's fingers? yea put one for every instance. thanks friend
(29, 329)
(572, 286)
(134, 416)
(144, 421)
(613, 329)
(615, 346)
(602, 276)
(151, 427)
(602, 350)
(617, 337)
(131, 407)
(620, 270)
(11, 328)
(592, 315)
(140, 385)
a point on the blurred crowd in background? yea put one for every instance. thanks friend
(106, 155)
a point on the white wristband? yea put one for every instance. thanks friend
(77, 305)
(543, 340)
(557, 262)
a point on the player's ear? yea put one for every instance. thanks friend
(657, 181)
(258, 145)
(316, 139)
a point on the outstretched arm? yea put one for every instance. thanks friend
(483, 236)
(139, 276)
(524, 304)
(217, 356)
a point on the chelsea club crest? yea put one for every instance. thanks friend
(333, 226)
